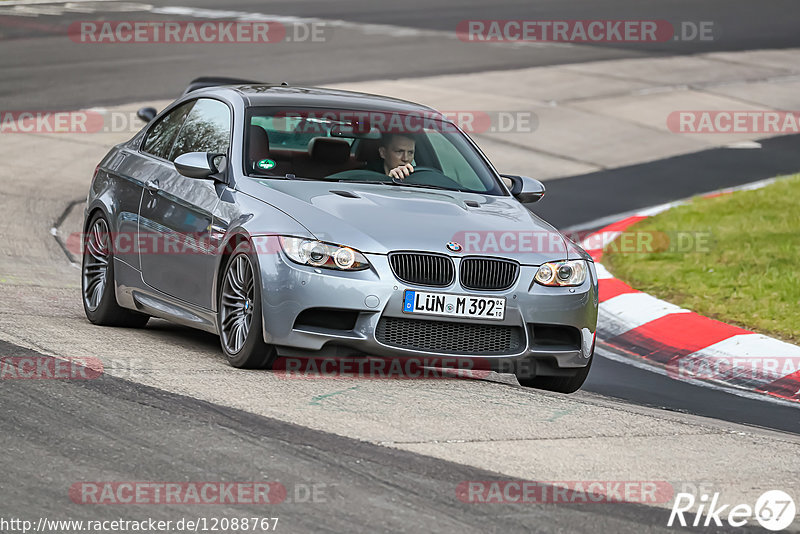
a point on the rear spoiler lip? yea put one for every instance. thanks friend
(215, 81)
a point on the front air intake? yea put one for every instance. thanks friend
(444, 337)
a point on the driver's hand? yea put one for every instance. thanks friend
(401, 172)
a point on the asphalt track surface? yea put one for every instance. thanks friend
(54, 433)
(111, 429)
(42, 66)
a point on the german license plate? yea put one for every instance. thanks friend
(422, 303)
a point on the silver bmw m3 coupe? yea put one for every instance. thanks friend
(304, 222)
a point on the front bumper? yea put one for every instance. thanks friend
(375, 294)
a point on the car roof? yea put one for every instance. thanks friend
(257, 95)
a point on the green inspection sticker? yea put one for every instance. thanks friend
(266, 164)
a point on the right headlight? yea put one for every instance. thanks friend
(562, 273)
(320, 254)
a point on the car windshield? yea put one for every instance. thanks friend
(363, 146)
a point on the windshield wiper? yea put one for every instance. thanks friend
(401, 184)
(425, 186)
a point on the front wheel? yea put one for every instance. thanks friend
(239, 313)
(560, 384)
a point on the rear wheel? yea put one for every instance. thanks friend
(97, 280)
(239, 313)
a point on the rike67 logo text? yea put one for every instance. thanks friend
(774, 510)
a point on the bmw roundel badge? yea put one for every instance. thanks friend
(454, 247)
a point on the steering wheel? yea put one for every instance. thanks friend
(431, 176)
(421, 176)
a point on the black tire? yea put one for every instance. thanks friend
(97, 280)
(241, 303)
(560, 384)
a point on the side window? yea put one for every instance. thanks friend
(207, 128)
(162, 136)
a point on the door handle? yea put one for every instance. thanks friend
(152, 186)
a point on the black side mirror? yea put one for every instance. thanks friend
(525, 189)
(147, 114)
(200, 165)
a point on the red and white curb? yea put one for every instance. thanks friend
(681, 343)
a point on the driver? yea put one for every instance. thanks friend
(397, 153)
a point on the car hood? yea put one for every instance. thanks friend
(379, 219)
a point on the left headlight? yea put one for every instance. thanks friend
(562, 273)
(320, 254)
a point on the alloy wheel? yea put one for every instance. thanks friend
(95, 266)
(236, 313)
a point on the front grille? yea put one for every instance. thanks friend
(449, 338)
(422, 269)
(488, 273)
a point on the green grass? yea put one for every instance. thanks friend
(748, 275)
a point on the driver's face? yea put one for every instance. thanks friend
(399, 152)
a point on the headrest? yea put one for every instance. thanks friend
(329, 150)
(259, 143)
(367, 149)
